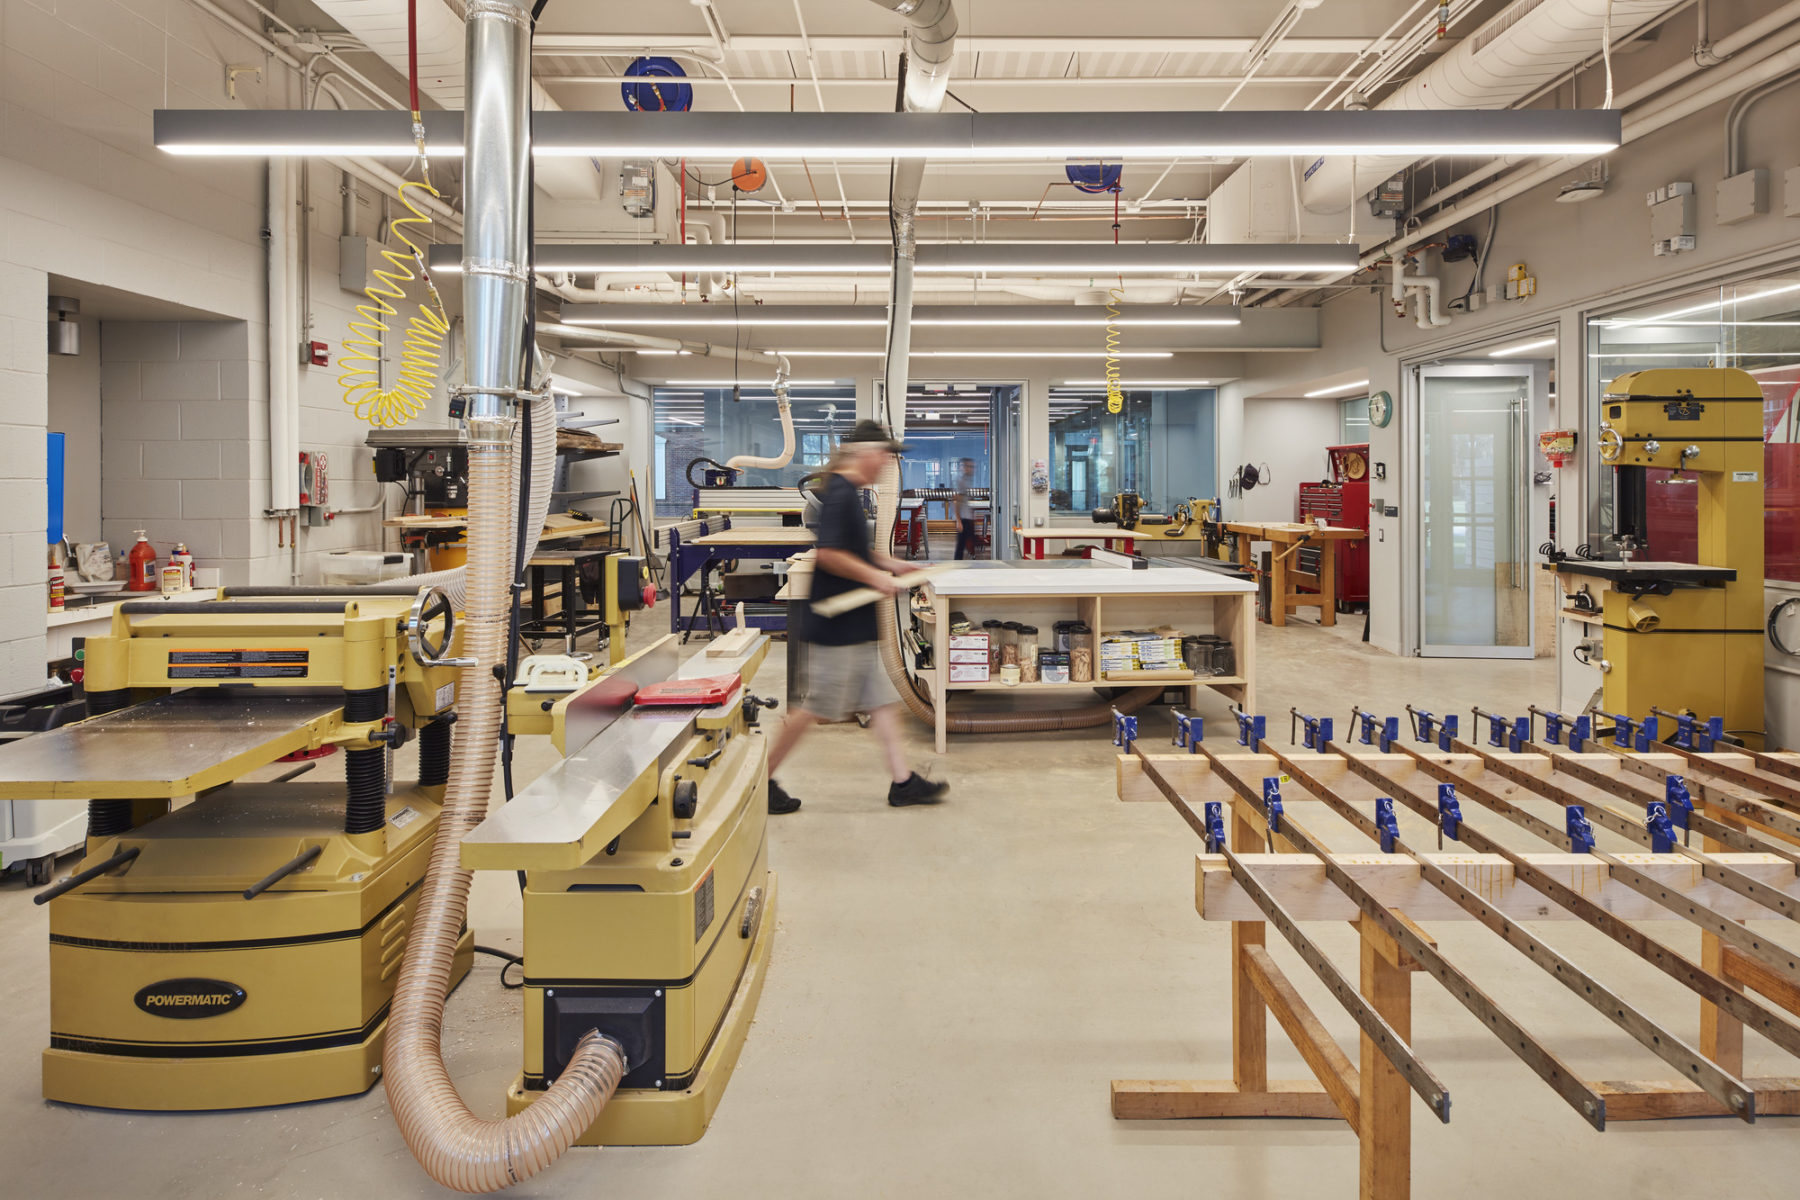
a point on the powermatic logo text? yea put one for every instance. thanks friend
(189, 999)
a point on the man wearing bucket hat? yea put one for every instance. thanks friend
(843, 671)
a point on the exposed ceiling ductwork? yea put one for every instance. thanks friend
(381, 26)
(1526, 46)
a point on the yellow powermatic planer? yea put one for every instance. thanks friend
(241, 949)
(649, 904)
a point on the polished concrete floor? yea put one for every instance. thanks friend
(952, 990)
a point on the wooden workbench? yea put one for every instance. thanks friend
(1287, 537)
(558, 527)
(1108, 599)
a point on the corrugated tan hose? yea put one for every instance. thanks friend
(457, 1148)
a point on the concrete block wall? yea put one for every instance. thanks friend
(24, 507)
(183, 442)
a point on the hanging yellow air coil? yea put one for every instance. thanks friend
(422, 350)
(1115, 398)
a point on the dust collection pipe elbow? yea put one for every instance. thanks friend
(750, 462)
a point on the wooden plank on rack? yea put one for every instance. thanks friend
(1330, 1065)
(1299, 883)
(1202, 1099)
(1660, 1100)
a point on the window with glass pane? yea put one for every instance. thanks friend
(1353, 417)
(1162, 444)
(693, 423)
(1753, 325)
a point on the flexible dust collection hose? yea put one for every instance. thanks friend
(457, 1148)
(749, 462)
(1115, 397)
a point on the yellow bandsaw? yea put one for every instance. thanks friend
(1682, 637)
(241, 949)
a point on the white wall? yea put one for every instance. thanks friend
(1288, 435)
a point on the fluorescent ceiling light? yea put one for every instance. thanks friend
(962, 353)
(986, 316)
(747, 384)
(1522, 347)
(1359, 385)
(958, 258)
(1706, 307)
(1027, 136)
(1131, 384)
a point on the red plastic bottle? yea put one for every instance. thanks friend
(141, 566)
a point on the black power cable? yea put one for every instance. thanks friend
(511, 960)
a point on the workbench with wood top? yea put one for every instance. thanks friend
(696, 547)
(1284, 576)
(1107, 599)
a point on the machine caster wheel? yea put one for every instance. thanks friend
(39, 870)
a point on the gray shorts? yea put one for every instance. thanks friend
(842, 680)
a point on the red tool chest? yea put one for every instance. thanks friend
(1343, 500)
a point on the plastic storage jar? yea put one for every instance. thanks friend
(1081, 655)
(1028, 654)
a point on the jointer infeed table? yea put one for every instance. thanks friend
(1634, 833)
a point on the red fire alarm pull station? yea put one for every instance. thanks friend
(318, 354)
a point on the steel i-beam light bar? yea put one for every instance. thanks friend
(939, 136)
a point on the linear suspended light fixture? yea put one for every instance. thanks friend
(1360, 385)
(817, 316)
(960, 258)
(1022, 136)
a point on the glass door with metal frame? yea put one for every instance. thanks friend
(1474, 507)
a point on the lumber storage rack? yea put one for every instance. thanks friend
(1711, 838)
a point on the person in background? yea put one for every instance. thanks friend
(965, 509)
(843, 671)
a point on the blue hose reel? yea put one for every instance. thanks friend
(649, 94)
(1095, 178)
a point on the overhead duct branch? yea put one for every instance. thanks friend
(931, 47)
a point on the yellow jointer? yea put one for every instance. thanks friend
(649, 904)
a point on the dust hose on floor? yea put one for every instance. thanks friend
(887, 492)
(457, 1148)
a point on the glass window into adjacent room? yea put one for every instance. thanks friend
(1752, 324)
(1162, 444)
(1353, 420)
(696, 424)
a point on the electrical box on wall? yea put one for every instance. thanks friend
(1743, 196)
(357, 259)
(637, 187)
(1790, 192)
(1672, 218)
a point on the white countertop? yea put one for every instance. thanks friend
(1086, 581)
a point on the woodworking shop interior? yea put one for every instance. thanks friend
(1278, 522)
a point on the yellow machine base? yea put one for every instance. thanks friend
(646, 1118)
(252, 1081)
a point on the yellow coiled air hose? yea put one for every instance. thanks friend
(421, 353)
(1115, 397)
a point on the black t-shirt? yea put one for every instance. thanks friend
(842, 525)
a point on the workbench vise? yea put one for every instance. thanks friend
(240, 949)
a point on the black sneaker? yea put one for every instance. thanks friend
(779, 801)
(916, 790)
